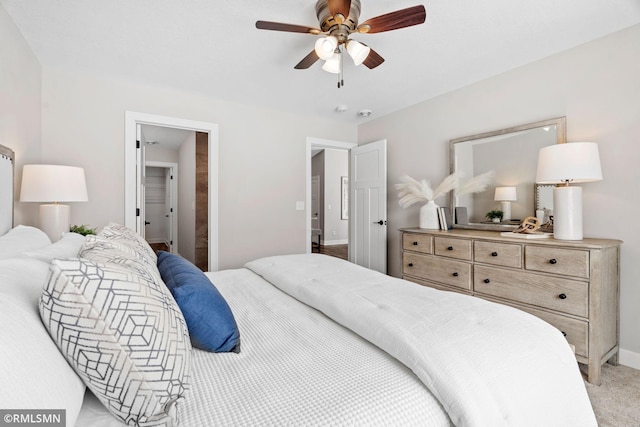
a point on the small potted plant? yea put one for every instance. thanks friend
(495, 215)
(82, 229)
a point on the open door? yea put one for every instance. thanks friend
(140, 180)
(368, 206)
(169, 204)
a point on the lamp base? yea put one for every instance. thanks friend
(54, 220)
(506, 210)
(567, 213)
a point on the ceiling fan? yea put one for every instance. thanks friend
(338, 19)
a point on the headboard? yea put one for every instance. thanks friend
(6, 189)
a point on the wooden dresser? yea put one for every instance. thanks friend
(573, 285)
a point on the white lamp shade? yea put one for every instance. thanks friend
(332, 64)
(53, 183)
(570, 162)
(325, 47)
(505, 194)
(358, 51)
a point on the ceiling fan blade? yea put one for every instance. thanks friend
(291, 28)
(373, 60)
(307, 61)
(394, 20)
(342, 7)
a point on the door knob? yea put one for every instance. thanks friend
(381, 222)
(147, 223)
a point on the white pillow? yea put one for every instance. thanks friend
(33, 372)
(20, 239)
(126, 236)
(123, 333)
(68, 246)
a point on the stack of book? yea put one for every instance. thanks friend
(446, 220)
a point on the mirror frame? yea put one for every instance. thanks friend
(561, 135)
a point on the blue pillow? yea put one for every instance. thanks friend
(210, 321)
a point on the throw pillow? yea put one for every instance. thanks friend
(210, 321)
(123, 334)
(126, 236)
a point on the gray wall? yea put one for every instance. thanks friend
(596, 86)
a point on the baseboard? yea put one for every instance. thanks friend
(629, 358)
(335, 242)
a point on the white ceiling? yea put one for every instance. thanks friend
(213, 48)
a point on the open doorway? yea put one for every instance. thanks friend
(161, 209)
(327, 196)
(207, 182)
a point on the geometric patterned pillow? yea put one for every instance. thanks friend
(103, 250)
(126, 236)
(123, 334)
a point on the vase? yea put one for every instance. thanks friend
(429, 216)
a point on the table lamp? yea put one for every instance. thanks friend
(562, 164)
(505, 195)
(53, 184)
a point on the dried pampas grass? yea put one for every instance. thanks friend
(411, 191)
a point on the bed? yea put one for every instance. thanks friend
(317, 341)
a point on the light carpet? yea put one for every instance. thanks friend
(617, 401)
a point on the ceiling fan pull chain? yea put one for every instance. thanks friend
(341, 75)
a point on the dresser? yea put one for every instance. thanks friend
(573, 285)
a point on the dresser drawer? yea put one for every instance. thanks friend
(503, 254)
(567, 262)
(453, 248)
(554, 293)
(431, 268)
(417, 243)
(438, 286)
(575, 331)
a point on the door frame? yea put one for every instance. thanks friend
(173, 191)
(132, 119)
(319, 143)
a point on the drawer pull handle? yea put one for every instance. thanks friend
(487, 281)
(553, 261)
(415, 243)
(455, 274)
(494, 253)
(450, 248)
(410, 264)
(562, 296)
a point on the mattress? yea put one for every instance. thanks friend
(296, 367)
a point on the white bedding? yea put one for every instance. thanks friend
(296, 367)
(489, 364)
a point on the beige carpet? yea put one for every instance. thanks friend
(617, 401)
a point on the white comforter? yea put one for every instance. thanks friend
(488, 364)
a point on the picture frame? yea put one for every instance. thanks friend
(344, 199)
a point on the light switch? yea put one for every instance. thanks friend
(299, 206)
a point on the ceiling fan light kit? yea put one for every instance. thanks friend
(358, 51)
(332, 64)
(325, 47)
(338, 19)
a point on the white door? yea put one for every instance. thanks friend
(169, 206)
(315, 201)
(368, 206)
(140, 181)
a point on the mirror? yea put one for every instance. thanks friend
(544, 196)
(512, 154)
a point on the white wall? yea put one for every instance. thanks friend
(596, 86)
(262, 156)
(336, 165)
(20, 95)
